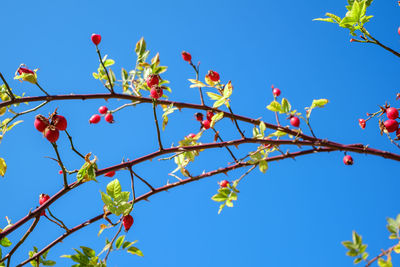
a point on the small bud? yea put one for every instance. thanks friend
(186, 56)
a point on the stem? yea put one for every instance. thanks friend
(363, 30)
(111, 89)
(61, 165)
(53, 221)
(389, 250)
(72, 146)
(42, 89)
(24, 237)
(124, 106)
(246, 173)
(26, 112)
(158, 128)
(309, 127)
(9, 92)
(227, 148)
(143, 180)
(237, 125)
(112, 242)
(58, 220)
(197, 78)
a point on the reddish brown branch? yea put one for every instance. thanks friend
(170, 186)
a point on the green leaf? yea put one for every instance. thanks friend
(128, 244)
(135, 251)
(3, 167)
(324, 19)
(216, 118)
(219, 103)
(119, 241)
(383, 263)
(114, 189)
(219, 197)
(48, 263)
(5, 242)
(140, 47)
(106, 199)
(275, 107)
(397, 248)
(214, 96)
(357, 260)
(228, 89)
(108, 62)
(88, 251)
(286, 107)
(263, 166)
(319, 103)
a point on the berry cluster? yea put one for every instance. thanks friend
(103, 110)
(51, 126)
(390, 125)
(153, 82)
(206, 123)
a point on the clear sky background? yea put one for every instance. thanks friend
(295, 215)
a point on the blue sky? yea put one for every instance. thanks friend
(295, 214)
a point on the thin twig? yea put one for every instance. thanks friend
(42, 89)
(53, 221)
(143, 180)
(112, 242)
(158, 128)
(124, 106)
(236, 124)
(197, 78)
(111, 89)
(72, 145)
(61, 165)
(9, 92)
(227, 148)
(375, 41)
(389, 250)
(24, 237)
(246, 173)
(26, 112)
(58, 220)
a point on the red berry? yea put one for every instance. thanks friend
(42, 199)
(156, 92)
(41, 123)
(51, 133)
(103, 110)
(352, 40)
(362, 123)
(391, 125)
(59, 122)
(206, 124)
(94, 119)
(110, 174)
(192, 135)
(223, 183)
(22, 70)
(153, 80)
(127, 221)
(199, 116)
(268, 145)
(276, 92)
(60, 172)
(109, 118)
(213, 75)
(398, 30)
(96, 38)
(209, 115)
(392, 113)
(348, 160)
(295, 121)
(186, 56)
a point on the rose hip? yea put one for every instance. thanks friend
(51, 133)
(295, 121)
(103, 110)
(156, 92)
(391, 125)
(213, 75)
(392, 113)
(109, 118)
(186, 56)
(206, 124)
(276, 92)
(127, 221)
(199, 116)
(94, 119)
(110, 174)
(223, 183)
(96, 38)
(153, 80)
(362, 123)
(59, 122)
(41, 123)
(348, 160)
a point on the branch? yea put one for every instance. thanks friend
(158, 128)
(9, 92)
(111, 89)
(389, 250)
(170, 186)
(61, 165)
